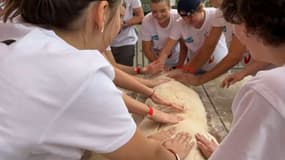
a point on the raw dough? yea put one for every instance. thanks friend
(195, 119)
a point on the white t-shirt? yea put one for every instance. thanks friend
(55, 100)
(127, 36)
(152, 31)
(194, 38)
(258, 127)
(229, 33)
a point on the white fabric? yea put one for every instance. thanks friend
(55, 100)
(152, 31)
(128, 36)
(194, 37)
(258, 127)
(229, 33)
(228, 27)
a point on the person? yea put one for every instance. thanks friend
(155, 29)
(237, 53)
(123, 46)
(148, 69)
(57, 95)
(202, 35)
(258, 109)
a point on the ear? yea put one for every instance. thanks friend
(99, 14)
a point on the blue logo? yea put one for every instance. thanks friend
(155, 37)
(189, 40)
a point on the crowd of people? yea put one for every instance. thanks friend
(62, 62)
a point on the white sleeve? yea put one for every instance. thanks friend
(257, 131)
(96, 118)
(108, 48)
(176, 30)
(136, 4)
(146, 29)
(218, 19)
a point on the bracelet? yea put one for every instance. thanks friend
(185, 69)
(175, 154)
(150, 111)
(137, 70)
(179, 67)
(190, 70)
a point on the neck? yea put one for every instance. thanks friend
(165, 24)
(74, 38)
(203, 17)
(277, 55)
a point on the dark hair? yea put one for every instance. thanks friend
(48, 13)
(158, 1)
(264, 18)
(189, 6)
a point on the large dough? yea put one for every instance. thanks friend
(194, 115)
(195, 120)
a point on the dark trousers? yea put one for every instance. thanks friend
(124, 54)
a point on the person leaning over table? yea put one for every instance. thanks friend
(258, 129)
(57, 96)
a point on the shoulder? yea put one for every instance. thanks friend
(148, 19)
(211, 13)
(211, 10)
(269, 87)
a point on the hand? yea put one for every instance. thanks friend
(153, 68)
(163, 135)
(232, 79)
(181, 144)
(207, 147)
(186, 78)
(163, 117)
(156, 99)
(156, 82)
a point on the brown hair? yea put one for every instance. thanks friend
(263, 18)
(48, 13)
(158, 1)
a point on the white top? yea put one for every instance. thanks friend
(258, 128)
(194, 38)
(55, 100)
(229, 33)
(152, 31)
(127, 36)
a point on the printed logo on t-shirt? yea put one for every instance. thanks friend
(189, 40)
(155, 37)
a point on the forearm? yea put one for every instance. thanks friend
(182, 54)
(254, 67)
(166, 50)
(135, 106)
(127, 69)
(134, 21)
(150, 55)
(146, 82)
(235, 54)
(137, 18)
(126, 81)
(227, 63)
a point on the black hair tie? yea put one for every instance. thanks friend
(8, 42)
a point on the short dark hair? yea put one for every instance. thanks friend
(48, 13)
(264, 18)
(158, 1)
